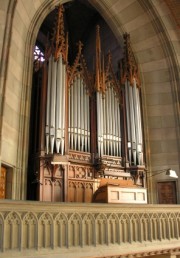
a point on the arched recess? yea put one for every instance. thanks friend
(64, 140)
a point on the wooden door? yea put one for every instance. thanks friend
(167, 192)
(2, 183)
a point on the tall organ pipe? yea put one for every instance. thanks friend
(136, 118)
(101, 122)
(133, 125)
(53, 106)
(72, 116)
(69, 117)
(98, 123)
(88, 124)
(63, 108)
(107, 121)
(128, 120)
(115, 127)
(78, 112)
(48, 104)
(139, 126)
(119, 129)
(104, 124)
(82, 115)
(113, 123)
(85, 121)
(75, 114)
(58, 103)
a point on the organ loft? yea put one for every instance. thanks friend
(86, 125)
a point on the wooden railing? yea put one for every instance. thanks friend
(43, 227)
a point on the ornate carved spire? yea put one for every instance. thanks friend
(100, 74)
(59, 41)
(129, 67)
(79, 66)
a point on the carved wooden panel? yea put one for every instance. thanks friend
(80, 191)
(167, 192)
(2, 183)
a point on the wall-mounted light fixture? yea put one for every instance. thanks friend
(169, 172)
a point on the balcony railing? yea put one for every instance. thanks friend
(97, 230)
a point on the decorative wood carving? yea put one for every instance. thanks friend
(59, 43)
(3, 183)
(129, 68)
(80, 157)
(79, 67)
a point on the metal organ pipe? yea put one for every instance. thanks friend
(79, 116)
(82, 115)
(128, 120)
(71, 103)
(108, 122)
(78, 112)
(113, 122)
(75, 113)
(109, 118)
(133, 125)
(85, 120)
(135, 117)
(98, 123)
(138, 125)
(63, 108)
(104, 124)
(69, 117)
(48, 104)
(115, 126)
(88, 124)
(118, 128)
(101, 122)
(53, 105)
(58, 104)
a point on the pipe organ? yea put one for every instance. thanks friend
(90, 122)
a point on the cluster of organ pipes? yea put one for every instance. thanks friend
(108, 123)
(134, 125)
(79, 120)
(55, 106)
(77, 106)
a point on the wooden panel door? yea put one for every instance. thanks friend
(2, 183)
(167, 192)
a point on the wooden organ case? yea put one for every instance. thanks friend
(90, 131)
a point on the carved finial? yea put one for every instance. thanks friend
(80, 46)
(98, 59)
(129, 67)
(59, 42)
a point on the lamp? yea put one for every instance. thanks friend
(169, 172)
